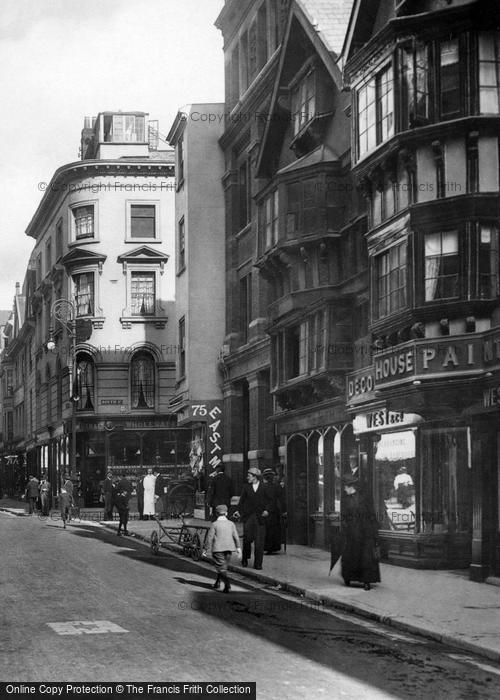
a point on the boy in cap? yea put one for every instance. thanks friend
(222, 541)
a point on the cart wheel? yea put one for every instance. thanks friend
(155, 545)
(181, 500)
(196, 549)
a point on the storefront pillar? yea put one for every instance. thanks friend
(483, 527)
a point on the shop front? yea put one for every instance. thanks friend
(316, 448)
(425, 416)
(129, 446)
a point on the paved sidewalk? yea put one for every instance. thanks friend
(440, 605)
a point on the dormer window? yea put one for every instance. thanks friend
(303, 102)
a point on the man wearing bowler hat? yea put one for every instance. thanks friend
(253, 508)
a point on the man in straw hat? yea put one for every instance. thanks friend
(254, 507)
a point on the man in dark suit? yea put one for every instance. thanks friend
(108, 490)
(122, 497)
(219, 491)
(254, 507)
(160, 492)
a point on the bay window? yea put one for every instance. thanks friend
(489, 73)
(484, 262)
(441, 265)
(414, 68)
(375, 115)
(390, 287)
(268, 221)
(449, 78)
(301, 349)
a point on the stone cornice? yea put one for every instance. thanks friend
(79, 170)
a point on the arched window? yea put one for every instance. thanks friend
(83, 384)
(142, 381)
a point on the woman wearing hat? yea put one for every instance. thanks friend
(360, 529)
(222, 541)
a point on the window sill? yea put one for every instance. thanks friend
(76, 242)
(157, 321)
(137, 241)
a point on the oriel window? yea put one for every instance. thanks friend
(391, 280)
(414, 69)
(489, 72)
(441, 265)
(449, 75)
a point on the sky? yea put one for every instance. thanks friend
(62, 60)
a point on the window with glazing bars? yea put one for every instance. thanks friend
(142, 221)
(303, 102)
(391, 280)
(441, 265)
(84, 221)
(84, 293)
(489, 72)
(142, 293)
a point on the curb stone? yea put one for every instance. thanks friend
(327, 601)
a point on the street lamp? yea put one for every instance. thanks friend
(64, 311)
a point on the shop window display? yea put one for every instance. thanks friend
(394, 460)
(446, 482)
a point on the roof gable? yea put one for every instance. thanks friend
(368, 17)
(302, 41)
(330, 19)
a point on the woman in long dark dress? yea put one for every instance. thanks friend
(360, 529)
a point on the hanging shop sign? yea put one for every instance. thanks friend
(210, 414)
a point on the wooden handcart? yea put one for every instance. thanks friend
(190, 535)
